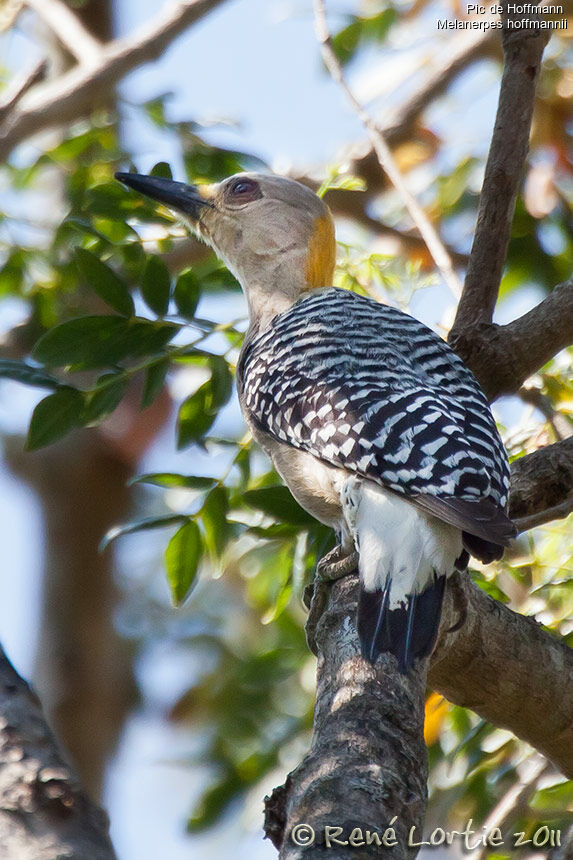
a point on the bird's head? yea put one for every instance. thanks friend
(274, 234)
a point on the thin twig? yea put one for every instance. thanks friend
(451, 59)
(69, 29)
(384, 155)
(557, 512)
(560, 424)
(20, 86)
(515, 800)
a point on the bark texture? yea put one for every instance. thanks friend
(366, 769)
(44, 812)
(507, 669)
(502, 357)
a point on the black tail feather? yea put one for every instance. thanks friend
(485, 550)
(409, 632)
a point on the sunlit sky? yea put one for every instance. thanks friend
(253, 65)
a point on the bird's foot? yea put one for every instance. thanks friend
(335, 564)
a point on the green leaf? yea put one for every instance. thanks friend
(187, 294)
(105, 282)
(12, 273)
(221, 381)
(54, 416)
(172, 479)
(156, 285)
(155, 376)
(558, 796)
(99, 341)
(102, 401)
(143, 525)
(277, 502)
(195, 416)
(182, 558)
(360, 31)
(22, 372)
(214, 517)
(161, 169)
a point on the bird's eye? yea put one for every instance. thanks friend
(244, 186)
(243, 191)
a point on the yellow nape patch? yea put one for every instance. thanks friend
(321, 253)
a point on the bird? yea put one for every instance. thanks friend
(374, 423)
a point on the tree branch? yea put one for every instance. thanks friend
(44, 812)
(503, 357)
(385, 157)
(19, 86)
(367, 723)
(63, 99)
(367, 766)
(504, 665)
(354, 204)
(506, 668)
(69, 30)
(399, 125)
(523, 50)
(468, 47)
(541, 481)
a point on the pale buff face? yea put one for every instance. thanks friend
(274, 234)
(258, 223)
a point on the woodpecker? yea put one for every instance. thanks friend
(374, 423)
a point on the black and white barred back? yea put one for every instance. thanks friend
(369, 388)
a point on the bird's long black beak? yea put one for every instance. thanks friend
(177, 195)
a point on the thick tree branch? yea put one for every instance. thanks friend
(542, 481)
(523, 50)
(367, 766)
(503, 357)
(501, 664)
(44, 812)
(506, 668)
(63, 99)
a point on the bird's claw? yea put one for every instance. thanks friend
(336, 564)
(333, 566)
